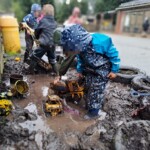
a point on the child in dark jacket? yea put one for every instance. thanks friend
(98, 60)
(31, 20)
(44, 34)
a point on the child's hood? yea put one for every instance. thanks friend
(75, 38)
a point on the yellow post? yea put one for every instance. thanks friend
(10, 34)
(1, 57)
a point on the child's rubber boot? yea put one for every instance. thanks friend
(92, 114)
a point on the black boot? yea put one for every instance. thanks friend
(32, 68)
(26, 56)
(55, 69)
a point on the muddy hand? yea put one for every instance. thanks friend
(111, 75)
(80, 75)
(57, 79)
(37, 43)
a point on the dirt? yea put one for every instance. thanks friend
(127, 136)
(28, 128)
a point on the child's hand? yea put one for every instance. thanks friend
(57, 79)
(80, 75)
(37, 43)
(28, 32)
(111, 75)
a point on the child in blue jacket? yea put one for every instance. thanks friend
(98, 60)
(31, 20)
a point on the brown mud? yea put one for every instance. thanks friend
(27, 127)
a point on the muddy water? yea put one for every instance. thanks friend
(38, 125)
(65, 122)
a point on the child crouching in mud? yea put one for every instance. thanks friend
(98, 61)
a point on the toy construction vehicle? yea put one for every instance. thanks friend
(70, 88)
(75, 89)
(5, 107)
(53, 105)
(42, 63)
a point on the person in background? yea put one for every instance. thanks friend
(98, 21)
(31, 20)
(74, 18)
(44, 34)
(98, 61)
(145, 26)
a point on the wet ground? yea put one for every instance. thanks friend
(28, 127)
(37, 93)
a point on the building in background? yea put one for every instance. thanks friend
(131, 15)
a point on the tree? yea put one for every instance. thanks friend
(66, 10)
(106, 5)
(47, 2)
(23, 7)
(6, 5)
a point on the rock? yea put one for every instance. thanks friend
(52, 142)
(25, 132)
(21, 119)
(31, 116)
(23, 115)
(25, 143)
(32, 136)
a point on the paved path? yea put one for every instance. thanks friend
(134, 51)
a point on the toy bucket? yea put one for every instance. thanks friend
(21, 87)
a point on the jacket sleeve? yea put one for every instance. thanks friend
(38, 30)
(79, 64)
(27, 18)
(112, 53)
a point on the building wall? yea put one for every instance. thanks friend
(130, 21)
(120, 17)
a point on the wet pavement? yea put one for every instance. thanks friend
(134, 51)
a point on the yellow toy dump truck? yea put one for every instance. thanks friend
(5, 107)
(53, 105)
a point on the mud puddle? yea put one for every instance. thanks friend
(39, 125)
(34, 102)
(115, 129)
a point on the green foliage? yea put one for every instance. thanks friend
(6, 5)
(23, 7)
(47, 2)
(66, 10)
(17, 10)
(106, 5)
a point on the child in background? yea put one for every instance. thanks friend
(44, 34)
(31, 20)
(98, 60)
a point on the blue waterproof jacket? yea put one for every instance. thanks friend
(30, 20)
(102, 44)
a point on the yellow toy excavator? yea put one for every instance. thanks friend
(75, 89)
